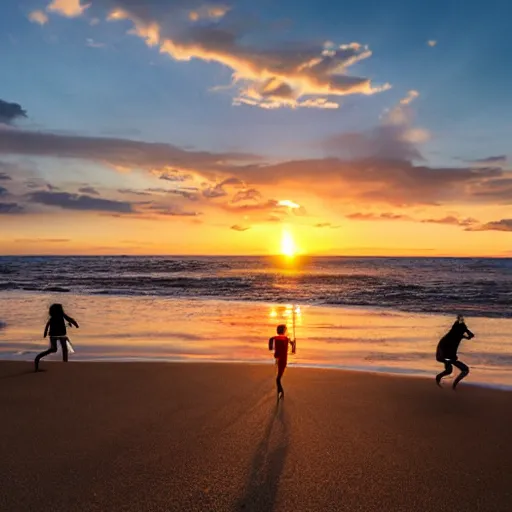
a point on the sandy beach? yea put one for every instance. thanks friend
(201, 437)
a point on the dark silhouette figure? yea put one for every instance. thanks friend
(56, 327)
(447, 351)
(280, 345)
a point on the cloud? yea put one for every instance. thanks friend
(236, 227)
(10, 208)
(9, 112)
(3, 191)
(269, 76)
(322, 225)
(174, 175)
(373, 180)
(498, 161)
(377, 216)
(250, 194)
(207, 12)
(68, 201)
(218, 190)
(432, 43)
(120, 153)
(42, 240)
(4, 177)
(394, 138)
(89, 190)
(499, 225)
(497, 190)
(169, 210)
(91, 43)
(452, 220)
(67, 8)
(133, 192)
(38, 17)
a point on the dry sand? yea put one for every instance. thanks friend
(209, 437)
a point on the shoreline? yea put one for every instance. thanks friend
(358, 308)
(360, 339)
(398, 373)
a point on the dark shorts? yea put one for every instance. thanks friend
(442, 356)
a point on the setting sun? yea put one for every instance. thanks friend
(288, 247)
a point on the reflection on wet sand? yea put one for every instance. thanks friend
(149, 328)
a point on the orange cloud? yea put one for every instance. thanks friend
(284, 76)
(68, 8)
(38, 17)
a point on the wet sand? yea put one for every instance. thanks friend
(209, 437)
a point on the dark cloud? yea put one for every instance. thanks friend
(4, 177)
(250, 194)
(326, 225)
(3, 191)
(9, 112)
(134, 192)
(395, 182)
(70, 201)
(169, 210)
(175, 175)
(452, 220)
(89, 190)
(187, 194)
(377, 216)
(498, 190)
(500, 161)
(236, 227)
(117, 152)
(10, 208)
(270, 205)
(370, 180)
(218, 190)
(499, 225)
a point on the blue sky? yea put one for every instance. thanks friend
(77, 74)
(127, 88)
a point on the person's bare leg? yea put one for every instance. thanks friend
(464, 372)
(64, 346)
(448, 368)
(51, 350)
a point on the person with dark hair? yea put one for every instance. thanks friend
(447, 351)
(56, 327)
(280, 344)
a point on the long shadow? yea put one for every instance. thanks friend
(266, 467)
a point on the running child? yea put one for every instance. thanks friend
(280, 345)
(56, 326)
(447, 351)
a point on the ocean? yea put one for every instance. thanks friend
(377, 314)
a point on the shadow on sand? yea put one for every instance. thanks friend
(267, 465)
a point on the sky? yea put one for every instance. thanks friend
(237, 127)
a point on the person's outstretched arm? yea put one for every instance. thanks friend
(71, 321)
(469, 334)
(46, 328)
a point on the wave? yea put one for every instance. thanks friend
(471, 287)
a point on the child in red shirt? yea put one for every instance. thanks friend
(280, 345)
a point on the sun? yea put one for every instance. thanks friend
(288, 247)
